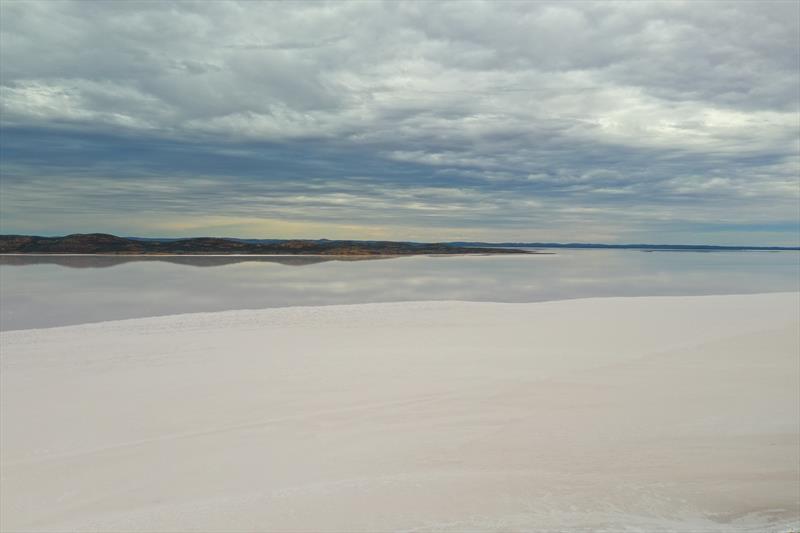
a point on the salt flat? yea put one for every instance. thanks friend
(609, 414)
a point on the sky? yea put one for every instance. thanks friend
(655, 122)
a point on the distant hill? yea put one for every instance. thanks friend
(101, 243)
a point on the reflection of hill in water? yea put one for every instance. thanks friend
(105, 261)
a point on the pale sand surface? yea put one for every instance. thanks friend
(612, 414)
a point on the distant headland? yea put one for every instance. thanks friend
(102, 243)
(106, 244)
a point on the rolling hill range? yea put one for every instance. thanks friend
(101, 243)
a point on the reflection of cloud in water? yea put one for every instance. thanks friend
(105, 261)
(39, 292)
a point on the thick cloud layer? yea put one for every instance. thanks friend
(663, 121)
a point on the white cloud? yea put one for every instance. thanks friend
(557, 103)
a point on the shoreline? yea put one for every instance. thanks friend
(410, 303)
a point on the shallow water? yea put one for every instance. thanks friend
(43, 291)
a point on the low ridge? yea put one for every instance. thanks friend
(102, 243)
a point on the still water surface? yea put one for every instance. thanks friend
(43, 291)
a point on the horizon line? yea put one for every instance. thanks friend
(574, 244)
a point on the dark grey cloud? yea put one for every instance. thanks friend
(427, 120)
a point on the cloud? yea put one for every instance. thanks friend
(445, 117)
